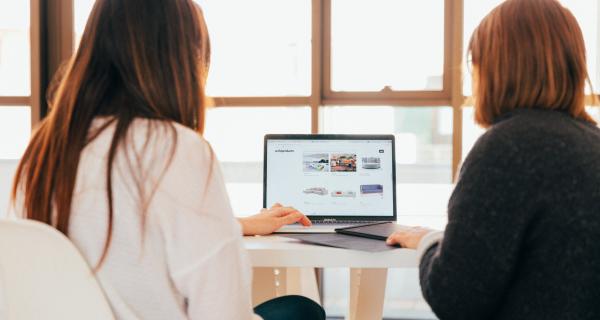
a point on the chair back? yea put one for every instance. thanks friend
(43, 276)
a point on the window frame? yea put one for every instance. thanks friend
(400, 95)
(33, 100)
(322, 95)
(60, 38)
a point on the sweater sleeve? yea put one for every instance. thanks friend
(466, 275)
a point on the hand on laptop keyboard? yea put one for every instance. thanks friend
(269, 220)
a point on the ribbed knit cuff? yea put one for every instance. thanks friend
(427, 241)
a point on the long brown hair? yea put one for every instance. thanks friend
(137, 59)
(529, 54)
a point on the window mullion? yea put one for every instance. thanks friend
(455, 23)
(36, 100)
(318, 18)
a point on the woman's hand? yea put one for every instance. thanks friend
(408, 237)
(269, 220)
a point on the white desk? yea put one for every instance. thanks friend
(285, 266)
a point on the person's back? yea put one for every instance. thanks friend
(557, 276)
(527, 206)
(119, 166)
(183, 244)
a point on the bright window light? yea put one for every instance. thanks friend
(374, 45)
(15, 66)
(15, 129)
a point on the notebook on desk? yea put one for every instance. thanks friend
(378, 232)
(337, 240)
(338, 181)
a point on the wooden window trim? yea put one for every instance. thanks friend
(6, 101)
(321, 94)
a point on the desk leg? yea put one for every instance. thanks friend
(264, 285)
(269, 283)
(367, 292)
(302, 281)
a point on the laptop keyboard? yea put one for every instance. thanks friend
(344, 222)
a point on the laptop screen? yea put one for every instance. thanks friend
(325, 177)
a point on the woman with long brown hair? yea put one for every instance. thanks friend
(523, 233)
(120, 167)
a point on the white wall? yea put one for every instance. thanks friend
(7, 170)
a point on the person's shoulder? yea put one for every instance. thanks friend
(538, 130)
(176, 156)
(168, 148)
(507, 142)
(500, 138)
(533, 137)
(536, 123)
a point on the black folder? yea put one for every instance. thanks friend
(364, 238)
(380, 231)
(344, 241)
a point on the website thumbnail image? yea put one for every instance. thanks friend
(338, 162)
(364, 190)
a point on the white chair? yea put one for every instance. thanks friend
(43, 276)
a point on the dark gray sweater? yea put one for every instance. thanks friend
(523, 233)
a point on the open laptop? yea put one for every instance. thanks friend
(336, 180)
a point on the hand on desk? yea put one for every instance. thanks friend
(408, 237)
(269, 220)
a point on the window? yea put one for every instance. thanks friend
(15, 78)
(15, 128)
(241, 151)
(259, 47)
(374, 46)
(15, 72)
(17, 99)
(82, 9)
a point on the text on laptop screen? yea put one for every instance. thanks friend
(331, 177)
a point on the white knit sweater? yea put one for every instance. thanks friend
(177, 256)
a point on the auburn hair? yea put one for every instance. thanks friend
(137, 59)
(528, 54)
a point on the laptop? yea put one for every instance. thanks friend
(337, 181)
